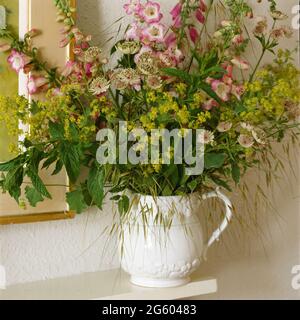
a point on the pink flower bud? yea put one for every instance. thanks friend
(176, 11)
(200, 17)
(4, 47)
(193, 34)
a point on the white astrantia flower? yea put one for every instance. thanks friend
(99, 86)
(207, 137)
(246, 141)
(224, 126)
(247, 126)
(259, 136)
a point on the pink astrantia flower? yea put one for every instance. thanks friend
(35, 83)
(222, 89)
(132, 7)
(176, 11)
(150, 13)
(224, 126)
(240, 63)
(18, 60)
(193, 34)
(154, 33)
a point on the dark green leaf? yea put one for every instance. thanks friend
(236, 173)
(33, 196)
(70, 156)
(76, 201)
(95, 185)
(214, 160)
(38, 183)
(178, 74)
(58, 167)
(56, 131)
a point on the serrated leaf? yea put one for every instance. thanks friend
(58, 167)
(70, 156)
(37, 183)
(95, 185)
(56, 131)
(33, 196)
(177, 73)
(76, 201)
(9, 165)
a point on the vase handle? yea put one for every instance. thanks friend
(228, 216)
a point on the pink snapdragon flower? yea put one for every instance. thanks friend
(210, 104)
(18, 60)
(238, 39)
(238, 91)
(240, 63)
(170, 39)
(153, 33)
(222, 89)
(150, 13)
(132, 7)
(35, 83)
(69, 68)
(202, 6)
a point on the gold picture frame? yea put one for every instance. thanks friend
(40, 15)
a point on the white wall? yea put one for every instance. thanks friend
(249, 262)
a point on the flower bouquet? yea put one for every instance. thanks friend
(175, 113)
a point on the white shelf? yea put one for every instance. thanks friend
(108, 285)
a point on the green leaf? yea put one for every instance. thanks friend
(95, 185)
(177, 73)
(13, 182)
(58, 167)
(7, 166)
(76, 201)
(38, 183)
(221, 183)
(214, 160)
(49, 161)
(33, 196)
(123, 205)
(207, 88)
(56, 131)
(193, 185)
(70, 156)
(236, 173)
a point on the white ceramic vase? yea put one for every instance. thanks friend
(162, 240)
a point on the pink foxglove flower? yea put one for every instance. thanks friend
(18, 60)
(177, 22)
(193, 34)
(154, 33)
(222, 89)
(170, 40)
(240, 63)
(176, 11)
(150, 13)
(200, 16)
(35, 83)
(132, 7)
(133, 33)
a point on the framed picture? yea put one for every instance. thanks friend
(23, 15)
